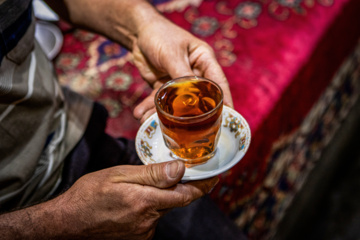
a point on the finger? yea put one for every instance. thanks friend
(160, 175)
(203, 57)
(146, 105)
(142, 64)
(216, 74)
(147, 114)
(183, 194)
(227, 95)
(179, 65)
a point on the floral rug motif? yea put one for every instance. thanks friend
(278, 55)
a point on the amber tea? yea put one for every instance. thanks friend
(189, 110)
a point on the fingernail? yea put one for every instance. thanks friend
(172, 169)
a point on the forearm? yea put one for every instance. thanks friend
(48, 220)
(119, 20)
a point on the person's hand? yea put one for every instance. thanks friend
(125, 202)
(161, 49)
(164, 51)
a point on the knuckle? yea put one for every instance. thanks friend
(149, 174)
(143, 201)
(152, 173)
(186, 200)
(141, 206)
(207, 47)
(146, 205)
(105, 189)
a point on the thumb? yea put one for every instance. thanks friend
(160, 175)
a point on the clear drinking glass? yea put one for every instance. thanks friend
(190, 113)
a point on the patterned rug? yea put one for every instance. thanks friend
(278, 55)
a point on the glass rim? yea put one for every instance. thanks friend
(190, 78)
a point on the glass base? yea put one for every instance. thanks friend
(194, 162)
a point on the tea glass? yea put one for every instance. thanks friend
(190, 113)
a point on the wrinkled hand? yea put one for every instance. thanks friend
(164, 51)
(125, 202)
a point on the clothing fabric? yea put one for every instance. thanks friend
(96, 150)
(36, 114)
(13, 30)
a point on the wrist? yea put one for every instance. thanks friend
(141, 14)
(43, 221)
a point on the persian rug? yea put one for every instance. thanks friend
(279, 57)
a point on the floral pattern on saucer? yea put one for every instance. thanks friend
(151, 129)
(143, 139)
(145, 150)
(236, 126)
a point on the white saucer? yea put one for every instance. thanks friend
(234, 142)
